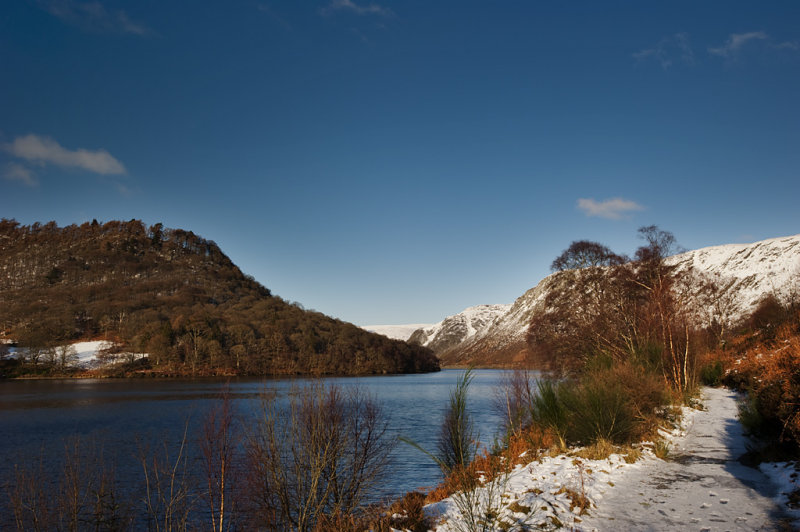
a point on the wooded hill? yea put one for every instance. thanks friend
(177, 297)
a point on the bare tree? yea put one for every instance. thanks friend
(319, 455)
(66, 355)
(219, 440)
(639, 311)
(31, 498)
(168, 494)
(81, 494)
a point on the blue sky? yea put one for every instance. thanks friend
(397, 161)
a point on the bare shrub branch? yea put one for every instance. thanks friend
(319, 456)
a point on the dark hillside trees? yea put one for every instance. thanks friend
(176, 296)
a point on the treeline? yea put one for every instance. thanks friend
(173, 295)
(609, 310)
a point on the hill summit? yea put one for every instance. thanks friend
(177, 297)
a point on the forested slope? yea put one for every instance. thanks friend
(177, 297)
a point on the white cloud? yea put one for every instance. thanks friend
(349, 5)
(612, 209)
(44, 150)
(789, 45)
(93, 16)
(18, 172)
(736, 42)
(668, 50)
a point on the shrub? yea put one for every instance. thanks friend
(767, 366)
(613, 402)
(410, 515)
(711, 373)
(599, 410)
(513, 398)
(458, 441)
(549, 411)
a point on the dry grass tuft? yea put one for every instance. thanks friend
(518, 508)
(662, 449)
(600, 450)
(632, 455)
(578, 501)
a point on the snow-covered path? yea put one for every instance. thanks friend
(703, 487)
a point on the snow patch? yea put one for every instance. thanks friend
(785, 476)
(396, 332)
(93, 354)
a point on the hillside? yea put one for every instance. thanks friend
(459, 328)
(744, 273)
(177, 297)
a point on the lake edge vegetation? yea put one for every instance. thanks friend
(623, 344)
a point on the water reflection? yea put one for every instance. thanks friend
(36, 416)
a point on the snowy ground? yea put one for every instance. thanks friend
(87, 351)
(702, 487)
(92, 354)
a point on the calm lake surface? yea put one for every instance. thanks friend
(36, 417)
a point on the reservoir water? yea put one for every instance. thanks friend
(37, 417)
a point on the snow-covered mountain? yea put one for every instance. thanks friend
(748, 272)
(396, 332)
(745, 273)
(459, 328)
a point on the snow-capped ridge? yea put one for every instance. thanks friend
(396, 332)
(745, 273)
(458, 328)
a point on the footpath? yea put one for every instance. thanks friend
(702, 487)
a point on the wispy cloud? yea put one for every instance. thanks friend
(793, 46)
(18, 172)
(736, 42)
(44, 151)
(93, 16)
(352, 7)
(669, 50)
(612, 209)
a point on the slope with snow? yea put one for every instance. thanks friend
(396, 332)
(748, 272)
(745, 273)
(458, 328)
